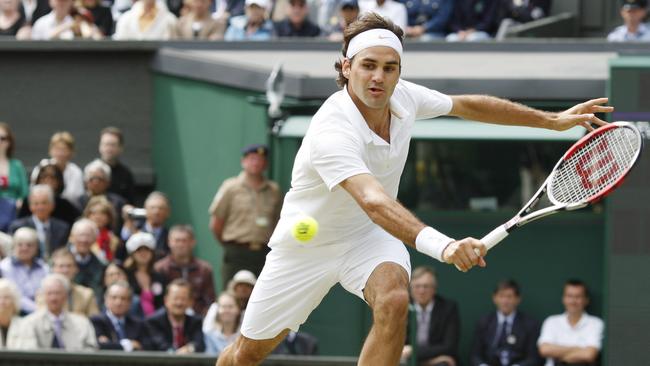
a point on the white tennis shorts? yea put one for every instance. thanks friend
(296, 279)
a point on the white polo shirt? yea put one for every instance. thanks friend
(338, 145)
(588, 332)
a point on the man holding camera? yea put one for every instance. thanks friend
(243, 214)
(152, 219)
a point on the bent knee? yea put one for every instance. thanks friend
(394, 302)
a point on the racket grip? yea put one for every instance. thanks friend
(494, 237)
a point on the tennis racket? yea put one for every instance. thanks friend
(590, 170)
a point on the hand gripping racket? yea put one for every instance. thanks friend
(590, 170)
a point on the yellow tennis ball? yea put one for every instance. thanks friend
(305, 228)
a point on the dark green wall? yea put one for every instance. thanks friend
(198, 132)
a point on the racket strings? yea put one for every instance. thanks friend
(595, 166)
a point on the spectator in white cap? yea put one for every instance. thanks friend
(254, 25)
(241, 287)
(147, 284)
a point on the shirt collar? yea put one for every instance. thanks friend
(36, 262)
(397, 111)
(510, 318)
(242, 179)
(112, 317)
(426, 309)
(580, 323)
(40, 223)
(54, 318)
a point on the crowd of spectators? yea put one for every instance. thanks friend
(83, 268)
(233, 20)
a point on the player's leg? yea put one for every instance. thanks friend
(387, 294)
(246, 351)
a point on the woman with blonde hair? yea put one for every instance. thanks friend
(9, 309)
(101, 211)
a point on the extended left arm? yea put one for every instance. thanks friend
(490, 109)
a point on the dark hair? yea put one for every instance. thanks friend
(115, 132)
(180, 282)
(10, 138)
(111, 264)
(577, 283)
(508, 284)
(55, 171)
(366, 22)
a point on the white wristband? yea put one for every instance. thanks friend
(432, 242)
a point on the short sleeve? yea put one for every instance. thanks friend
(336, 154)
(221, 202)
(594, 337)
(429, 103)
(546, 334)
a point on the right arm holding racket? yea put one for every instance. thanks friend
(592, 168)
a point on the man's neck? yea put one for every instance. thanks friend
(59, 16)
(574, 318)
(27, 262)
(182, 260)
(111, 162)
(5, 319)
(43, 220)
(254, 180)
(633, 28)
(176, 319)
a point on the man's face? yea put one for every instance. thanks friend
(633, 16)
(181, 243)
(55, 296)
(118, 300)
(7, 301)
(65, 266)
(82, 238)
(97, 182)
(373, 75)
(297, 11)
(40, 205)
(177, 300)
(574, 299)
(423, 289)
(255, 13)
(7, 5)
(25, 250)
(506, 301)
(61, 6)
(254, 164)
(109, 147)
(157, 211)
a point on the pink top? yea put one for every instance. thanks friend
(146, 301)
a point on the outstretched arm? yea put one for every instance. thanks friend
(490, 109)
(402, 224)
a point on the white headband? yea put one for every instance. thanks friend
(372, 38)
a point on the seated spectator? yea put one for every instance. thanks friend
(428, 20)
(198, 23)
(633, 13)
(438, 323)
(13, 179)
(51, 175)
(157, 210)
(113, 272)
(147, 20)
(10, 322)
(25, 268)
(102, 16)
(111, 146)
(389, 9)
(575, 337)
(57, 24)
(508, 336)
(297, 23)
(181, 263)
(97, 178)
(170, 329)
(82, 237)
(297, 343)
(61, 151)
(520, 11)
(148, 285)
(473, 20)
(102, 213)
(253, 25)
(54, 327)
(32, 10)
(241, 287)
(81, 299)
(52, 232)
(348, 13)
(224, 327)
(115, 328)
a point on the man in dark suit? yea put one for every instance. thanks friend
(507, 336)
(52, 232)
(115, 328)
(170, 328)
(438, 323)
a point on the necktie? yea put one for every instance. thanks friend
(503, 347)
(120, 329)
(57, 341)
(422, 329)
(179, 339)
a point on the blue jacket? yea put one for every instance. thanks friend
(433, 15)
(481, 15)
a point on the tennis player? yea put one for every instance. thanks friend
(346, 175)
